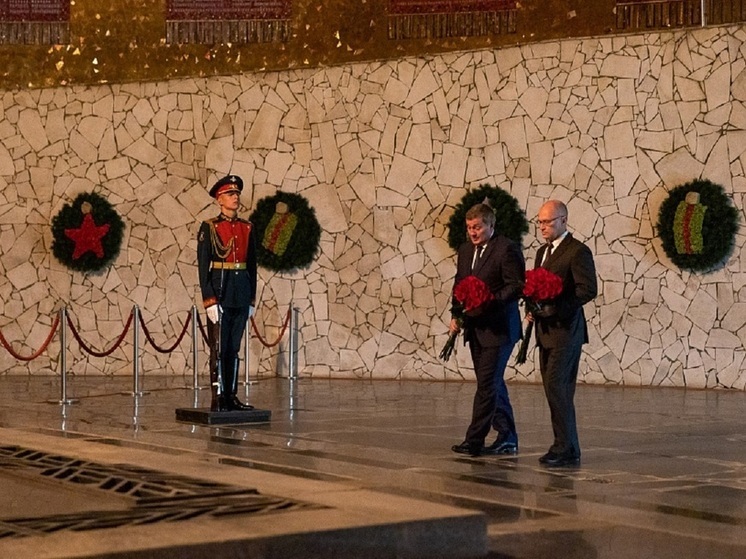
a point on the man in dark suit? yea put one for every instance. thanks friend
(561, 329)
(491, 330)
(226, 257)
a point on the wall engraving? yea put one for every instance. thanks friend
(34, 22)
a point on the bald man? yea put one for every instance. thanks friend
(561, 328)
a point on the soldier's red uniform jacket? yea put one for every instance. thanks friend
(226, 258)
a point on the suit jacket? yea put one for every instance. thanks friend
(503, 269)
(573, 262)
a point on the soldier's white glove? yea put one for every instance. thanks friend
(213, 313)
(251, 311)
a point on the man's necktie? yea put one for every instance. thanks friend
(478, 251)
(547, 253)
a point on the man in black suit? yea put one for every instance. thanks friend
(491, 330)
(561, 329)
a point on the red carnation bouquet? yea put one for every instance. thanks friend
(470, 293)
(541, 287)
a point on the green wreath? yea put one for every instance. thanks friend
(697, 224)
(87, 234)
(287, 232)
(510, 218)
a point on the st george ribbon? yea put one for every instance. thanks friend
(227, 21)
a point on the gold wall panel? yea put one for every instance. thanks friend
(116, 41)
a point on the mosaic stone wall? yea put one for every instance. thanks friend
(383, 151)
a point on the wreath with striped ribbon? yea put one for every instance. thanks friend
(697, 225)
(287, 232)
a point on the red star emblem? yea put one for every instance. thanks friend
(88, 237)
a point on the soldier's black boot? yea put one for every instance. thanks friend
(217, 401)
(231, 399)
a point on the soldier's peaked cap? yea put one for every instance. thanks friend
(229, 183)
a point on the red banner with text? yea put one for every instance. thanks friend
(448, 6)
(228, 21)
(34, 10)
(437, 19)
(34, 22)
(632, 15)
(228, 9)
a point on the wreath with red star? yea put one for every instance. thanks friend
(87, 233)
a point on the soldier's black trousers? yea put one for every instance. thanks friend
(233, 326)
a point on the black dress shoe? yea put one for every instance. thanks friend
(468, 448)
(555, 460)
(234, 404)
(503, 447)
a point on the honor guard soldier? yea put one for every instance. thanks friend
(226, 255)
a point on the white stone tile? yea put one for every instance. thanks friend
(170, 213)
(717, 167)
(31, 127)
(404, 175)
(513, 135)
(534, 102)
(735, 317)
(424, 85)
(719, 338)
(678, 168)
(609, 266)
(541, 155)
(619, 141)
(452, 168)
(419, 144)
(564, 165)
(689, 90)
(494, 159)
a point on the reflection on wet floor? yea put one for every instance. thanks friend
(663, 471)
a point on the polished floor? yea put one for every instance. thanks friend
(663, 472)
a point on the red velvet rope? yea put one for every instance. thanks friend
(282, 332)
(39, 351)
(119, 341)
(253, 324)
(100, 353)
(178, 340)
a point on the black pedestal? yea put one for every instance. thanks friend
(206, 417)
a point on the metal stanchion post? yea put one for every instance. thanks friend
(293, 398)
(136, 353)
(293, 344)
(136, 414)
(64, 400)
(293, 363)
(195, 338)
(246, 351)
(246, 354)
